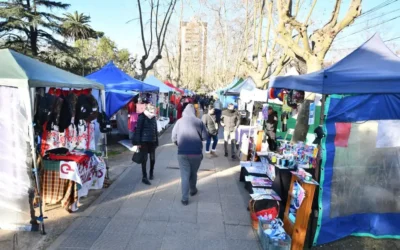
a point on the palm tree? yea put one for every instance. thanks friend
(76, 26)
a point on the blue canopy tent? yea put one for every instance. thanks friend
(361, 151)
(372, 68)
(153, 81)
(120, 87)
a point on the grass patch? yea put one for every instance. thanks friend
(114, 153)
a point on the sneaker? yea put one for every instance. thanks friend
(214, 154)
(193, 193)
(185, 203)
(146, 181)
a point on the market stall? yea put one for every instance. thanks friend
(361, 143)
(120, 90)
(227, 99)
(31, 112)
(120, 87)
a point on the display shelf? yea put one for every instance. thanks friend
(297, 226)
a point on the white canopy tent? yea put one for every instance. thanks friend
(19, 76)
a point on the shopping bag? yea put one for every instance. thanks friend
(138, 157)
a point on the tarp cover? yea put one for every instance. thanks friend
(372, 68)
(175, 88)
(120, 87)
(359, 178)
(233, 84)
(14, 65)
(115, 100)
(14, 160)
(247, 84)
(152, 80)
(225, 100)
(114, 78)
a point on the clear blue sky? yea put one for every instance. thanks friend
(111, 17)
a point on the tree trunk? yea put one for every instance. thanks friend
(143, 75)
(301, 130)
(33, 40)
(178, 80)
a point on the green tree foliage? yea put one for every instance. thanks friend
(98, 52)
(25, 24)
(76, 26)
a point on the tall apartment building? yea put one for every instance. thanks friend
(193, 37)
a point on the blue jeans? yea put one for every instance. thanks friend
(215, 142)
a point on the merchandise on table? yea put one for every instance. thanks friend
(272, 235)
(70, 176)
(292, 156)
(264, 182)
(264, 194)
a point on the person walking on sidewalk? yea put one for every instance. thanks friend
(218, 109)
(272, 125)
(211, 125)
(230, 120)
(188, 134)
(146, 138)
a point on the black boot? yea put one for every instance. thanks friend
(144, 173)
(233, 147)
(226, 148)
(151, 174)
(146, 181)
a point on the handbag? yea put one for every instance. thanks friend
(138, 157)
(215, 124)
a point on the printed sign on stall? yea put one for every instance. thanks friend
(69, 170)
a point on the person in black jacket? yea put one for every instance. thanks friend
(230, 120)
(272, 125)
(146, 138)
(210, 122)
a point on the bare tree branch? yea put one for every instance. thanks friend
(151, 24)
(141, 28)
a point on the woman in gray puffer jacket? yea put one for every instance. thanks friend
(211, 124)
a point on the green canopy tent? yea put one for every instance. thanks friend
(19, 76)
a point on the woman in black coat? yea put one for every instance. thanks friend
(146, 138)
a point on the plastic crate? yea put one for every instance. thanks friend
(272, 244)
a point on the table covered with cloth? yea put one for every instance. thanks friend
(66, 178)
(162, 123)
(242, 129)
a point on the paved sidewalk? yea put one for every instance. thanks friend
(131, 215)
